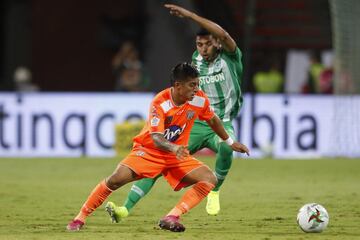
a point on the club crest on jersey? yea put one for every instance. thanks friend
(190, 114)
(173, 132)
(217, 66)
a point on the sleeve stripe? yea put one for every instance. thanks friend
(166, 106)
(198, 101)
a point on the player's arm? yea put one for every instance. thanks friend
(165, 145)
(217, 126)
(156, 122)
(217, 31)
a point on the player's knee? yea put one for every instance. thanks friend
(121, 176)
(211, 178)
(112, 182)
(208, 176)
(115, 181)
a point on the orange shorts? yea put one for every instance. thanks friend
(147, 165)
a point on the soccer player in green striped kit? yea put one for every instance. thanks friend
(218, 60)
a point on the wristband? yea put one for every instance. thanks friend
(229, 141)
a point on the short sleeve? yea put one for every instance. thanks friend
(156, 119)
(236, 55)
(207, 112)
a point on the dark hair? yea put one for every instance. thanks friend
(315, 56)
(182, 71)
(203, 32)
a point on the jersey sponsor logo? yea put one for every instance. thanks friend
(173, 132)
(155, 122)
(220, 77)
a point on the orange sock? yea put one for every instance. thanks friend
(191, 198)
(95, 199)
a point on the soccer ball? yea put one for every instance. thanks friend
(312, 217)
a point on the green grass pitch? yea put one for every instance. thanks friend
(260, 200)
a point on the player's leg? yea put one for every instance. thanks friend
(137, 191)
(199, 134)
(203, 181)
(224, 156)
(120, 177)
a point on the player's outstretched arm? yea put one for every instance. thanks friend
(216, 125)
(225, 39)
(165, 145)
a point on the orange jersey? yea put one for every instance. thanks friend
(174, 122)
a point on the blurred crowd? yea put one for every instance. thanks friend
(130, 74)
(122, 44)
(128, 69)
(317, 78)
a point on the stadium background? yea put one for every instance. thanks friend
(71, 108)
(72, 43)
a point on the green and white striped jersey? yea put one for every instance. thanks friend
(220, 80)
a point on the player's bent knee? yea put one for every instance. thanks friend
(111, 183)
(120, 177)
(211, 178)
(114, 182)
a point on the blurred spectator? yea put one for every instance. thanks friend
(326, 81)
(269, 80)
(129, 70)
(22, 80)
(315, 69)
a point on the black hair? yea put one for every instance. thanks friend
(203, 32)
(315, 56)
(182, 72)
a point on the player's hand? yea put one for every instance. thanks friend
(181, 152)
(239, 147)
(178, 11)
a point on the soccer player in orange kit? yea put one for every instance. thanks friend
(160, 148)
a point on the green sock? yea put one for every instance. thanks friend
(223, 163)
(139, 190)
